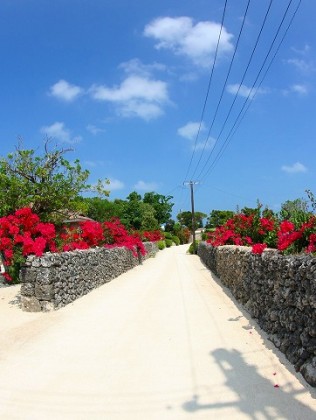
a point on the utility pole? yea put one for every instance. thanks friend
(192, 183)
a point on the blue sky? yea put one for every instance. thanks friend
(124, 83)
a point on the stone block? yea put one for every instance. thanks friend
(47, 306)
(30, 304)
(27, 289)
(44, 291)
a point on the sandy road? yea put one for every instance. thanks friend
(163, 341)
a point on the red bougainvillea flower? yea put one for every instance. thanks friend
(286, 226)
(7, 277)
(287, 239)
(47, 230)
(267, 224)
(258, 248)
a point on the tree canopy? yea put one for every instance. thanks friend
(185, 218)
(218, 218)
(135, 212)
(161, 205)
(47, 183)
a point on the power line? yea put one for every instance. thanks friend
(208, 88)
(224, 86)
(243, 111)
(240, 84)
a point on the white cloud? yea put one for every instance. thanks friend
(135, 66)
(136, 96)
(65, 91)
(184, 37)
(115, 184)
(190, 130)
(145, 110)
(205, 145)
(244, 91)
(59, 132)
(241, 90)
(301, 65)
(133, 87)
(295, 168)
(302, 51)
(145, 186)
(94, 130)
(300, 89)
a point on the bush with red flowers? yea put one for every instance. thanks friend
(23, 234)
(263, 232)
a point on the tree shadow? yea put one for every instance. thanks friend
(252, 394)
(16, 301)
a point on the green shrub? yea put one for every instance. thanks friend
(184, 235)
(168, 243)
(191, 247)
(176, 240)
(168, 235)
(161, 245)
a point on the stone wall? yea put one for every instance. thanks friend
(54, 280)
(278, 291)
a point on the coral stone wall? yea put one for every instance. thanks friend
(54, 280)
(279, 291)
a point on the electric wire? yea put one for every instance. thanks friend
(239, 87)
(208, 89)
(224, 87)
(244, 110)
(252, 92)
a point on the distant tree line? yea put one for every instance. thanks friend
(53, 187)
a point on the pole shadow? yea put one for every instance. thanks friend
(254, 395)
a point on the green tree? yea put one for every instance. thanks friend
(148, 219)
(101, 209)
(185, 218)
(134, 196)
(161, 204)
(312, 199)
(48, 183)
(297, 211)
(170, 225)
(218, 218)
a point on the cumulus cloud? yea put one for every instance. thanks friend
(94, 130)
(133, 87)
(59, 132)
(115, 184)
(137, 95)
(135, 66)
(244, 91)
(65, 91)
(196, 41)
(303, 66)
(300, 89)
(190, 130)
(295, 168)
(145, 186)
(301, 51)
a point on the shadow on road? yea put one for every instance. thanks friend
(254, 395)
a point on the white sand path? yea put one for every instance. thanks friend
(163, 341)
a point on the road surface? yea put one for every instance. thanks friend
(163, 341)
